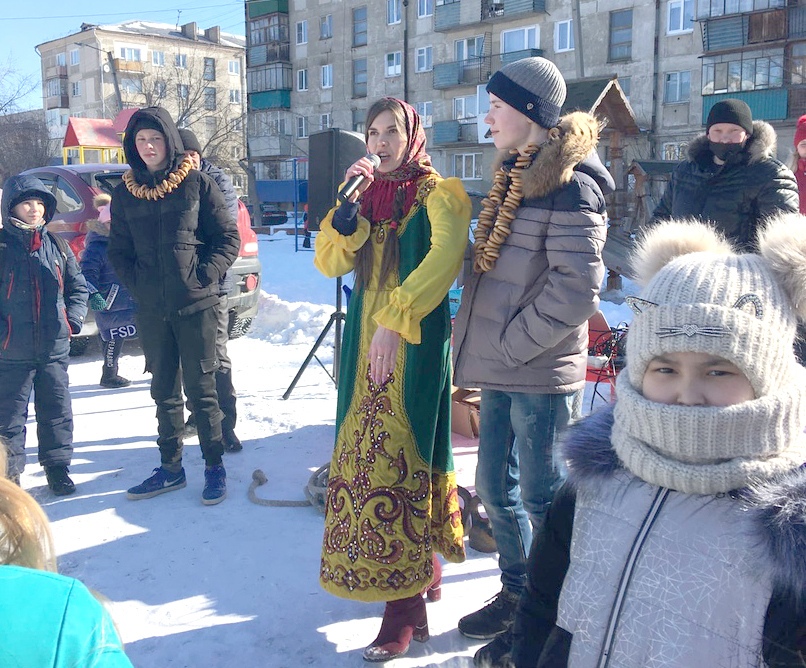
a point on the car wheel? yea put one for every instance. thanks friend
(78, 345)
(238, 326)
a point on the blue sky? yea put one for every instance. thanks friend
(44, 20)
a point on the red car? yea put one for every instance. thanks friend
(74, 187)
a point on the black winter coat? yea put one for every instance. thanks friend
(227, 189)
(171, 252)
(43, 295)
(736, 196)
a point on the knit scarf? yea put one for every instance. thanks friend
(710, 450)
(378, 201)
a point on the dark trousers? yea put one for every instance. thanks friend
(188, 343)
(223, 375)
(54, 414)
(111, 350)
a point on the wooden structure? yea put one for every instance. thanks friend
(95, 140)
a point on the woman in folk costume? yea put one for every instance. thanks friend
(391, 500)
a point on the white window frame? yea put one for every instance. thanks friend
(460, 108)
(234, 95)
(393, 64)
(75, 88)
(302, 127)
(475, 169)
(327, 76)
(302, 32)
(674, 150)
(424, 59)
(182, 91)
(181, 61)
(461, 51)
(426, 112)
(425, 8)
(394, 15)
(234, 67)
(302, 79)
(61, 59)
(158, 58)
(326, 26)
(324, 121)
(564, 32)
(135, 52)
(680, 7)
(676, 80)
(75, 57)
(530, 37)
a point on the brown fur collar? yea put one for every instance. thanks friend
(760, 146)
(554, 165)
(95, 225)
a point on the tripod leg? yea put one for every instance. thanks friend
(334, 317)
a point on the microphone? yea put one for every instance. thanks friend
(350, 187)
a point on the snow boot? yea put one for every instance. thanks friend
(493, 619)
(58, 480)
(403, 621)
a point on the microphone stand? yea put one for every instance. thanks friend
(336, 318)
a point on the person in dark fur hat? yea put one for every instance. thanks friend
(679, 538)
(731, 177)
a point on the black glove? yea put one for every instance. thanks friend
(345, 219)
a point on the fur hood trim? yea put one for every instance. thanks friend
(555, 162)
(760, 146)
(95, 225)
(778, 504)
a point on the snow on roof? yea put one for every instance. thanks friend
(138, 27)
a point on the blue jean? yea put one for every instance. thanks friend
(518, 470)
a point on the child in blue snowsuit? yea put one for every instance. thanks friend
(113, 305)
(43, 300)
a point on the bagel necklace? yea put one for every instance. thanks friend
(168, 184)
(498, 210)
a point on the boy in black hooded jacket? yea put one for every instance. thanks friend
(172, 239)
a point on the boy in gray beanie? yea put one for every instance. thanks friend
(521, 329)
(679, 537)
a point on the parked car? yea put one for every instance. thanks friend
(271, 215)
(74, 187)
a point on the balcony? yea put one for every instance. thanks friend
(258, 8)
(454, 132)
(771, 104)
(262, 54)
(135, 66)
(270, 99)
(57, 102)
(474, 71)
(467, 13)
(271, 145)
(752, 28)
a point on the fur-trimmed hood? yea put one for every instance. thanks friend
(760, 146)
(571, 146)
(778, 504)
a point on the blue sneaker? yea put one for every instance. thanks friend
(215, 485)
(162, 481)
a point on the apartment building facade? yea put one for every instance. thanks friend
(198, 75)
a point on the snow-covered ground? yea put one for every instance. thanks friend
(235, 584)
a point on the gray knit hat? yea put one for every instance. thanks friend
(700, 296)
(533, 86)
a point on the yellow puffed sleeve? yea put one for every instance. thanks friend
(335, 253)
(448, 208)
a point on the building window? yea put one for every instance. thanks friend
(76, 86)
(130, 53)
(625, 83)
(425, 8)
(467, 166)
(181, 61)
(277, 76)
(424, 109)
(324, 121)
(677, 87)
(680, 16)
(131, 85)
(302, 127)
(327, 76)
(620, 35)
(234, 67)
(235, 96)
(209, 98)
(393, 12)
(302, 32)
(158, 58)
(465, 49)
(674, 150)
(563, 36)
(751, 70)
(360, 26)
(359, 121)
(326, 26)
(722, 7)
(75, 57)
(424, 62)
(61, 60)
(56, 87)
(302, 80)
(209, 69)
(518, 39)
(182, 91)
(465, 108)
(266, 30)
(160, 89)
(360, 77)
(393, 64)
(797, 63)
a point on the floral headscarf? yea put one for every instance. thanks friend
(377, 202)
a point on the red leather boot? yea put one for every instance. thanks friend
(434, 591)
(403, 621)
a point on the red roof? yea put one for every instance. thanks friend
(90, 132)
(122, 120)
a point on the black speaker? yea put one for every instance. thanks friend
(330, 153)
